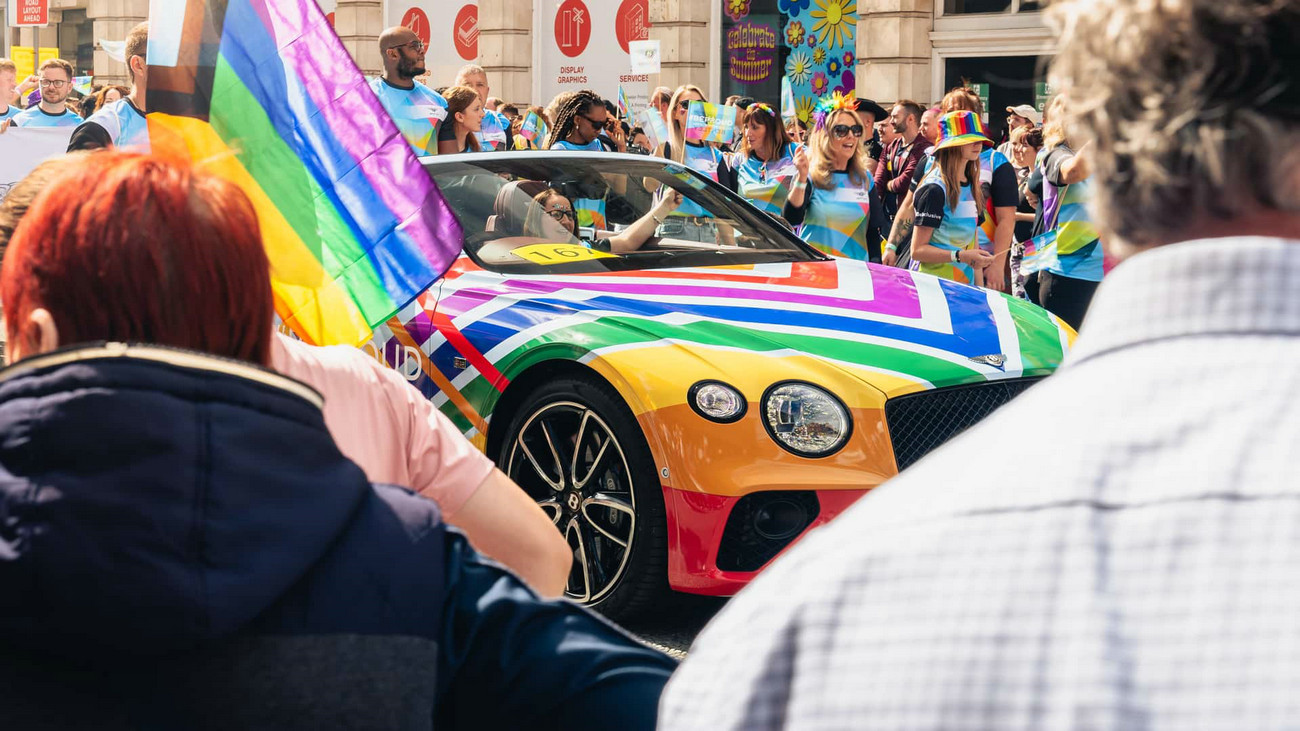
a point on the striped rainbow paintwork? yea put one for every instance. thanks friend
(866, 332)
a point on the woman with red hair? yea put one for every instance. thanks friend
(117, 250)
(171, 518)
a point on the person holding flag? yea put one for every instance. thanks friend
(838, 210)
(529, 128)
(766, 166)
(691, 222)
(418, 110)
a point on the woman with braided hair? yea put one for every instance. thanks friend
(578, 119)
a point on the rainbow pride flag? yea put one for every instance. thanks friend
(622, 103)
(532, 127)
(263, 93)
(82, 85)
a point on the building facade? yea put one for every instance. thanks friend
(883, 49)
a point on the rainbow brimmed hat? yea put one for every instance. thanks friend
(961, 128)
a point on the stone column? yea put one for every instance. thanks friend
(682, 29)
(112, 20)
(894, 50)
(505, 48)
(358, 24)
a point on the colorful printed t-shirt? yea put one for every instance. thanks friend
(118, 124)
(766, 184)
(1079, 253)
(708, 161)
(837, 219)
(418, 113)
(37, 117)
(954, 230)
(590, 211)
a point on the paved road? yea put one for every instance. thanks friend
(674, 630)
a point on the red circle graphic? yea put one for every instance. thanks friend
(417, 21)
(632, 23)
(464, 32)
(572, 27)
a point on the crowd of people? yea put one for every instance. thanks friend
(193, 538)
(909, 186)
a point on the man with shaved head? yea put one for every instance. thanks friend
(418, 110)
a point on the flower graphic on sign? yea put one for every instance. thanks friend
(819, 56)
(812, 41)
(847, 84)
(737, 9)
(799, 67)
(848, 58)
(833, 18)
(819, 83)
(803, 109)
(794, 33)
(792, 7)
(833, 68)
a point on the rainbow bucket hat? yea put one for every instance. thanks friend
(961, 128)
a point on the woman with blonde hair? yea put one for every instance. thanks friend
(464, 119)
(949, 204)
(765, 163)
(692, 222)
(835, 204)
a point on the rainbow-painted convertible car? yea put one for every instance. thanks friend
(687, 388)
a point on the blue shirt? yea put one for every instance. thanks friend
(590, 211)
(126, 126)
(37, 117)
(418, 113)
(9, 113)
(704, 159)
(837, 219)
(766, 184)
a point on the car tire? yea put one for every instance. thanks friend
(605, 494)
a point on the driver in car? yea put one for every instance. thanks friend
(551, 216)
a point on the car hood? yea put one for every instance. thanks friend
(896, 330)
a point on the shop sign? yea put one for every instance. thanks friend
(590, 44)
(449, 31)
(751, 52)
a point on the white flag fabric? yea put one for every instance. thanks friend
(22, 149)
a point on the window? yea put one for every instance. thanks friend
(971, 7)
(1011, 80)
(584, 213)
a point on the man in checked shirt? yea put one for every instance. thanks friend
(1140, 565)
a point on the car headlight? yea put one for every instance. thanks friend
(805, 419)
(716, 401)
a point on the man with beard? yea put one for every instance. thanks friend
(56, 85)
(902, 155)
(418, 110)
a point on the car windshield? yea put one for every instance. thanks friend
(547, 213)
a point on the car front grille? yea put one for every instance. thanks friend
(922, 422)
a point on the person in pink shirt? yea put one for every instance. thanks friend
(397, 437)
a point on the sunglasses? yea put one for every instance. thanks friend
(684, 104)
(843, 130)
(592, 122)
(416, 46)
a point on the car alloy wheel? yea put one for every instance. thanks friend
(575, 448)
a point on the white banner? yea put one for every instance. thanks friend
(22, 149)
(448, 27)
(585, 44)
